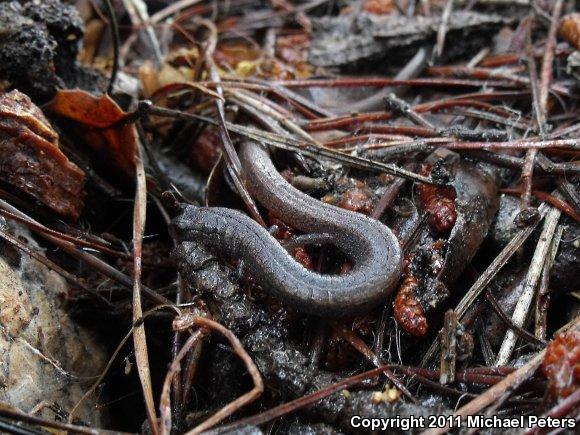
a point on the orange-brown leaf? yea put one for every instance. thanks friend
(100, 124)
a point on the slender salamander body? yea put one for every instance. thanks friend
(369, 244)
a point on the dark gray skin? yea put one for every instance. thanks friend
(370, 245)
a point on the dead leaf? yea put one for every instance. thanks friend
(100, 123)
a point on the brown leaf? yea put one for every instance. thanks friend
(100, 123)
(31, 160)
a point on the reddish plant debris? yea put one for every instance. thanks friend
(562, 364)
(293, 51)
(570, 29)
(408, 310)
(286, 232)
(229, 55)
(340, 354)
(303, 257)
(289, 62)
(439, 203)
(31, 159)
(345, 267)
(379, 7)
(100, 120)
(357, 198)
(288, 175)
(206, 151)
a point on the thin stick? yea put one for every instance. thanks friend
(173, 372)
(540, 94)
(239, 350)
(522, 333)
(543, 299)
(495, 392)
(531, 153)
(554, 201)
(521, 310)
(448, 340)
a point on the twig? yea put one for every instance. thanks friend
(536, 267)
(540, 94)
(531, 153)
(116, 43)
(492, 394)
(448, 339)
(401, 107)
(554, 201)
(542, 164)
(276, 115)
(233, 163)
(375, 101)
(173, 372)
(202, 322)
(543, 299)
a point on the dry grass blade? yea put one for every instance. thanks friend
(250, 396)
(139, 336)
